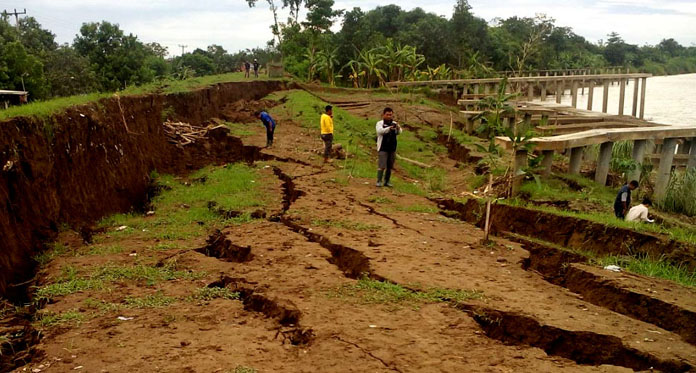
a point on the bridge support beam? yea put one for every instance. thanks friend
(543, 91)
(605, 98)
(547, 162)
(639, 147)
(634, 108)
(684, 147)
(642, 97)
(622, 95)
(518, 176)
(603, 163)
(665, 168)
(559, 91)
(575, 159)
(590, 95)
(574, 93)
(691, 163)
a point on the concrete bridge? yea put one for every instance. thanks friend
(572, 129)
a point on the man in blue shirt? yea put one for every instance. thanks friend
(270, 125)
(623, 199)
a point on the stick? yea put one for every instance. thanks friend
(450, 130)
(486, 227)
(420, 164)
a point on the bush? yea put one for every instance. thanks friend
(680, 196)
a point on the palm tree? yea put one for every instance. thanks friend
(326, 62)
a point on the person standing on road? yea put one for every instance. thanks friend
(247, 67)
(640, 212)
(623, 199)
(387, 130)
(270, 125)
(256, 68)
(327, 130)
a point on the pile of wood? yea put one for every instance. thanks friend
(180, 133)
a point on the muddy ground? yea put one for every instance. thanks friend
(511, 306)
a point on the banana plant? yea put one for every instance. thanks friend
(326, 62)
(372, 63)
(311, 56)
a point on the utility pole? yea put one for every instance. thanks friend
(182, 48)
(16, 15)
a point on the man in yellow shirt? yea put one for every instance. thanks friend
(327, 131)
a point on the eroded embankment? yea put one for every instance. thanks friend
(92, 160)
(571, 232)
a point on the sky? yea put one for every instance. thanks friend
(235, 26)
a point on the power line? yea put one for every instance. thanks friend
(182, 48)
(16, 14)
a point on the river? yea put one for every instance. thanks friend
(668, 99)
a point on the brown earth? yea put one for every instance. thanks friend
(294, 314)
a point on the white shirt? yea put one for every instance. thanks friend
(638, 213)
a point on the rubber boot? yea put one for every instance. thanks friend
(387, 177)
(379, 177)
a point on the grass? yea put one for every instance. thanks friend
(72, 282)
(50, 319)
(208, 294)
(44, 109)
(651, 267)
(344, 224)
(182, 209)
(418, 208)
(369, 291)
(379, 199)
(157, 300)
(239, 129)
(51, 252)
(680, 196)
(243, 369)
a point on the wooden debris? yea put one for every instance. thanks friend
(181, 133)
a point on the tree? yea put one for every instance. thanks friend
(469, 34)
(34, 38)
(22, 71)
(68, 73)
(157, 50)
(200, 63)
(320, 15)
(117, 59)
(275, 28)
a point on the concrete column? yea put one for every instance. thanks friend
(547, 162)
(486, 89)
(559, 91)
(530, 90)
(639, 147)
(603, 163)
(543, 91)
(622, 95)
(634, 108)
(665, 168)
(574, 93)
(642, 97)
(518, 175)
(590, 95)
(684, 147)
(575, 160)
(605, 99)
(465, 91)
(476, 89)
(692, 155)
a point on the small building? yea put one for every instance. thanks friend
(275, 70)
(8, 98)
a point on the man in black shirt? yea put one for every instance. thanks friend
(387, 130)
(256, 68)
(247, 67)
(623, 199)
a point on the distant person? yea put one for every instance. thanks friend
(623, 199)
(327, 130)
(247, 67)
(270, 125)
(387, 130)
(256, 67)
(640, 212)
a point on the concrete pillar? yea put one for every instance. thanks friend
(518, 175)
(692, 155)
(486, 89)
(574, 93)
(547, 162)
(465, 91)
(603, 163)
(684, 147)
(605, 99)
(639, 147)
(665, 168)
(590, 94)
(634, 108)
(559, 91)
(575, 160)
(530, 90)
(543, 91)
(622, 95)
(642, 97)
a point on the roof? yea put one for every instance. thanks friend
(19, 93)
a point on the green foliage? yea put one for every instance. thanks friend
(680, 196)
(50, 319)
(344, 224)
(371, 291)
(208, 294)
(652, 267)
(157, 300)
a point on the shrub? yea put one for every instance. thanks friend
(680, 196)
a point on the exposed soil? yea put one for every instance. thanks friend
(538, 310)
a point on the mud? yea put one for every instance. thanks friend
(19, 347)
(573, 233)
(580, 346)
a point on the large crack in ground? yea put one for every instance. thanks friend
(583, 347)
(559, 267)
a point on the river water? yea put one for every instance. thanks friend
(668, 99)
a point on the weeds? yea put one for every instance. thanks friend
(55, 250)
(680, 196)
(651, 267)
(157, 300)
(50, 319)
(208, 294)
(344, 224)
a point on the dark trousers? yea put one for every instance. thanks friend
(269, 136)
(328, 144)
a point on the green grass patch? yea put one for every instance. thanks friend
(157, 300)
(51, 319)
(651, 267)
(243, 369)
(379, 199)
(418, 208)
(370, 291)
(239, 129)
(344, 224)
(51, 252)
(208, 294)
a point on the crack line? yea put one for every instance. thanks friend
(391, 366)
